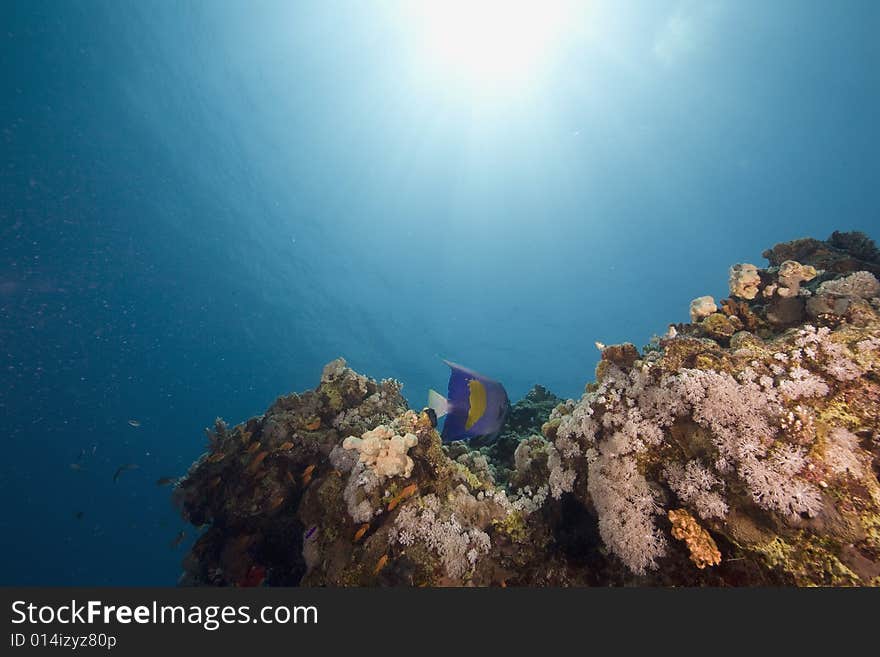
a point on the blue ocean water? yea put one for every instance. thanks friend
(201, 203)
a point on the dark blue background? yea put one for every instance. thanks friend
(201, 203)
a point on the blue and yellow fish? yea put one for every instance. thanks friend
(475, 405)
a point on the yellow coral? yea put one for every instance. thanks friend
(808, 561)
(334, 398)
(718, 327)
(702, 547)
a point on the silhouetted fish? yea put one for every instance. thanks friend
(164, 481)
(178, 539)
(79, 515)
(123, 468)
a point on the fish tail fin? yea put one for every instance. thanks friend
(438, 403)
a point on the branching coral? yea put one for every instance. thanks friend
(843, 454)
(627, 509)
(697, 486)
(750, 436)
(457, 547)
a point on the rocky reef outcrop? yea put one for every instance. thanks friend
(742, 448)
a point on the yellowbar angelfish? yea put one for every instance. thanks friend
(475, 405)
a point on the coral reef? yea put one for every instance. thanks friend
(743, 448)
(747, 430)
(246, 490)
(840, 254)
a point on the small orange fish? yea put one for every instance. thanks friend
(314, 426)
(255, 464)
(307, 474)
(381, 564)
(409, 491)
(290, 478)
(276, 501)
(216, 457)
(285, 446)
(253, 448)
(216, 480)
(359, 534)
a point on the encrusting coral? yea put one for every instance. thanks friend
(685, 528)
(740, 449)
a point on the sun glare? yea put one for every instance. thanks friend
(492, 44)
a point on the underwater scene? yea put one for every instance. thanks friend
(440, 293)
